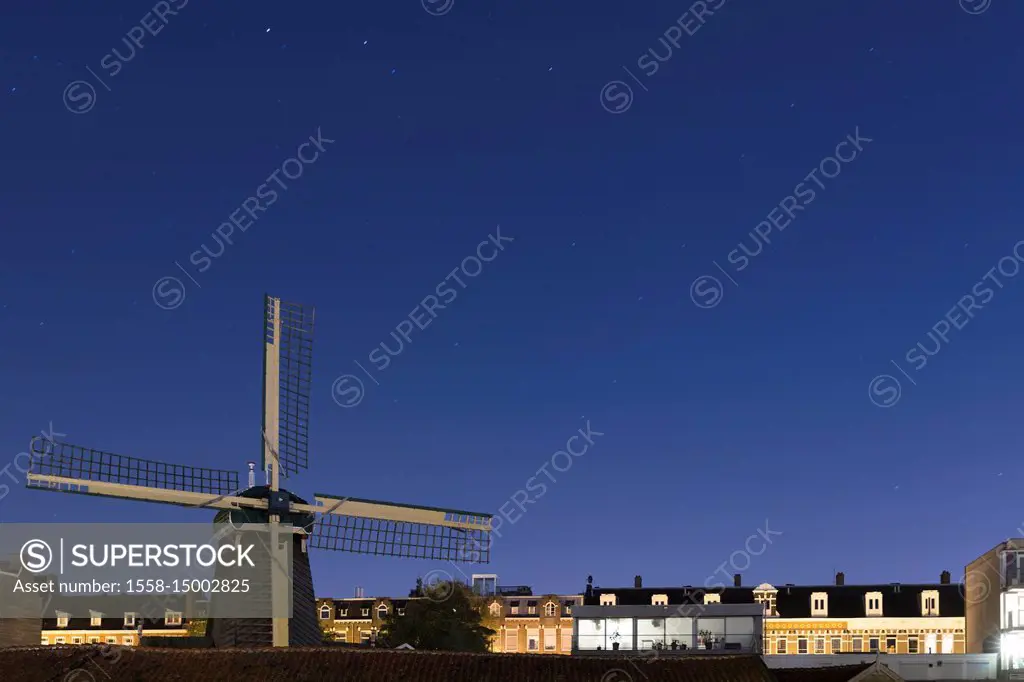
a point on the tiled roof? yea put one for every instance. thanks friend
(299, 665)
(838, 673)
(794, 601)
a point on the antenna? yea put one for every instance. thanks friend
(252, 474)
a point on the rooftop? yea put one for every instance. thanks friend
(39, 664)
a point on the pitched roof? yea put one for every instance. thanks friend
(838, 673)
(794, 601)
(298, 665)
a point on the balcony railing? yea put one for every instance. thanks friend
(679, 644)
(1013, 577)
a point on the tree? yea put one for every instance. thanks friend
(446, 617)
(197, 627)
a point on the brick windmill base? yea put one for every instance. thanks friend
(303, 626)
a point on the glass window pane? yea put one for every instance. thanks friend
(619, 631)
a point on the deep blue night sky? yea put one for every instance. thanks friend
(444, 126)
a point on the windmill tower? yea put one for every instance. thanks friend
(330, 522)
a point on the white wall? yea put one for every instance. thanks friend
(908, 666)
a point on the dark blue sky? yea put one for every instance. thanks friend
(494, 113)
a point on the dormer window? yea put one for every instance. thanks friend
(400, 611)
(873, 604)
(95, 619)
(129, 620)
(712, 598)
(325, 612)
(550, 609)
(343, 613)
(382, 611)
(608, 600)
(172, 618)
(495, 609)
(819, 605)
(930, 603)
(514, 607)
(659, 600)
(531, 608)
(567, 607)
(365, 612)
(62, 620)
(766, 594)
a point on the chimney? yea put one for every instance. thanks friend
(638, 582)
(590, 583)
(737, 580)
(840, 578)
(944, 578)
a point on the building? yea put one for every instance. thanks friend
(523, 622)
(671, 628)
(994, 592)
(824, 619)
(863, 672)
(910, 667)
(102, 629)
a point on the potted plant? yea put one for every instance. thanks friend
(675, 644)
(615, 646)
(707, 637)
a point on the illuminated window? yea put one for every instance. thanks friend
(550, 609)
(382, 611)
(780, 646)
(532, 640)
(890, 645)
(912, 645)
(819, 645)
(62, 620)
(873, 604)
(129, 620)
(837, 645)
(59, 640)
(550, 639)
(566, 640)
(96, 620)
(930, 603)
(819, 605)
(325, 612)
(608, 600)
(659, 600)
(857, 644)
(94, 640)
(511, 640)
(76, 640)
(172, 618)
(514, 608)
(495, 609)
(712, 598)
(801, 645)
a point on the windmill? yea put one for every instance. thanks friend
(331, 522)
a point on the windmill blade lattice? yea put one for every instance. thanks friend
(295, 347)
(63, 460)
(400, 530)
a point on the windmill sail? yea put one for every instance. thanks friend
(402, 530)
(287, 382)
(70, 468)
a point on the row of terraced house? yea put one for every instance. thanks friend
(981, 613)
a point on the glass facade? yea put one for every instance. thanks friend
(671, 632)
